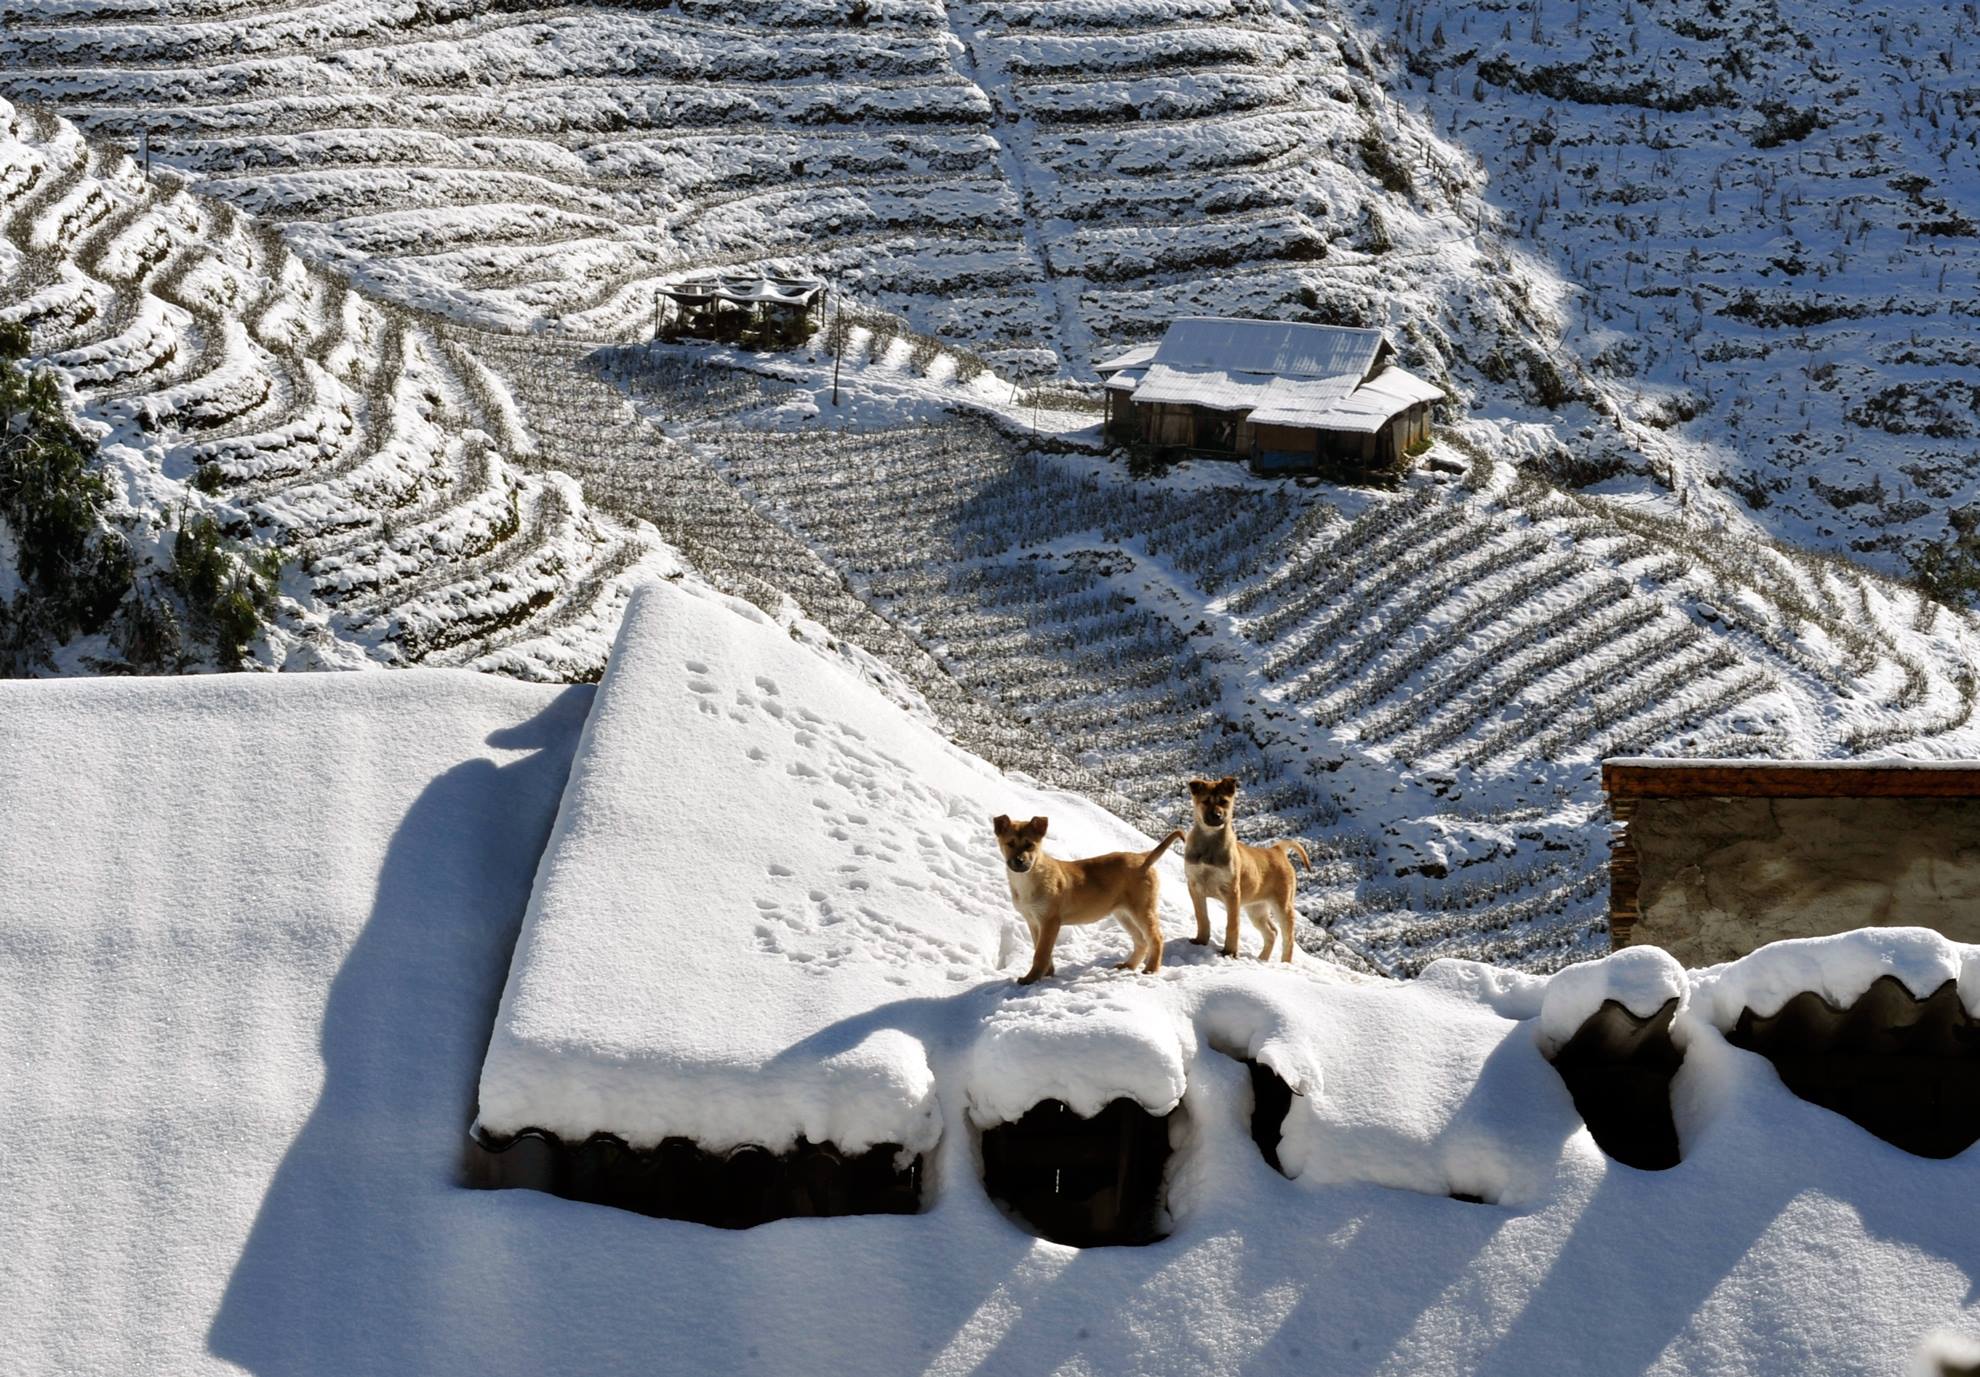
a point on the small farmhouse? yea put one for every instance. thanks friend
(776, 311)
(1288, 397)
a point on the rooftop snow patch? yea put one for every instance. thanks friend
(757, 853)
(1839, 968)
(1640, 979)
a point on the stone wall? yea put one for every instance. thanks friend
(1717, 877)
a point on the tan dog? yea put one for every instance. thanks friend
(1051, 893)
(1255, 880)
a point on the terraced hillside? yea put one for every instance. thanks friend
(438, 494)
(1041, 180)
(228, 377)
(1774, 211)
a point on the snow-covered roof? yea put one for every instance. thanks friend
(1272, 348)
(746, 290)
(1135, 357)
(252, 926)
(1278, 372)
(1365, 408)
(822, 854)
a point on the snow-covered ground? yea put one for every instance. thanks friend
(1770, 215)
(257, 927)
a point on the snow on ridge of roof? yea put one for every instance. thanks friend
(1640, 979)
(1839, 968)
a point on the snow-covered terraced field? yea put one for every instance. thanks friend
(225, 375)
(1042, 181)
(1715, 252)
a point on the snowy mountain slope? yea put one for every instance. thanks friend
(1718, 251)
(1040, 181)
(1771, 210)
(225, 376)
(242, 1056)
(441, 495)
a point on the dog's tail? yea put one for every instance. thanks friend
(1290, 846)
(1164, 845)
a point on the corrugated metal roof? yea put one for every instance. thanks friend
(1277, 348)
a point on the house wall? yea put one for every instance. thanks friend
(1286, 439)
(1165, 424)
(1718, 877)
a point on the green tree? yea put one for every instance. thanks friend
(74, 568)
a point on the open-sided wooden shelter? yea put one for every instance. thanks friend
(776, 311)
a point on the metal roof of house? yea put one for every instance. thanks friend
(1133, 358)
(1274, 348)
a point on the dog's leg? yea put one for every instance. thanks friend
(1231, 922)
(1153, 918)
(1288, 886)
(1202, 907)
(1130, 922)
(1046, 937)
(1266, 929)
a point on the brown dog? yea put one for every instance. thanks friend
(1051, 893)
(1256, 880)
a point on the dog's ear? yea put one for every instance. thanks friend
(1001, 823)
(1197, 786)
(1228, 784)
(1036, 827)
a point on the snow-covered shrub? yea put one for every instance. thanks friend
(71, 567)
(229, 591)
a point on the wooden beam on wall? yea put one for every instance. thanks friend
(1776, 779)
